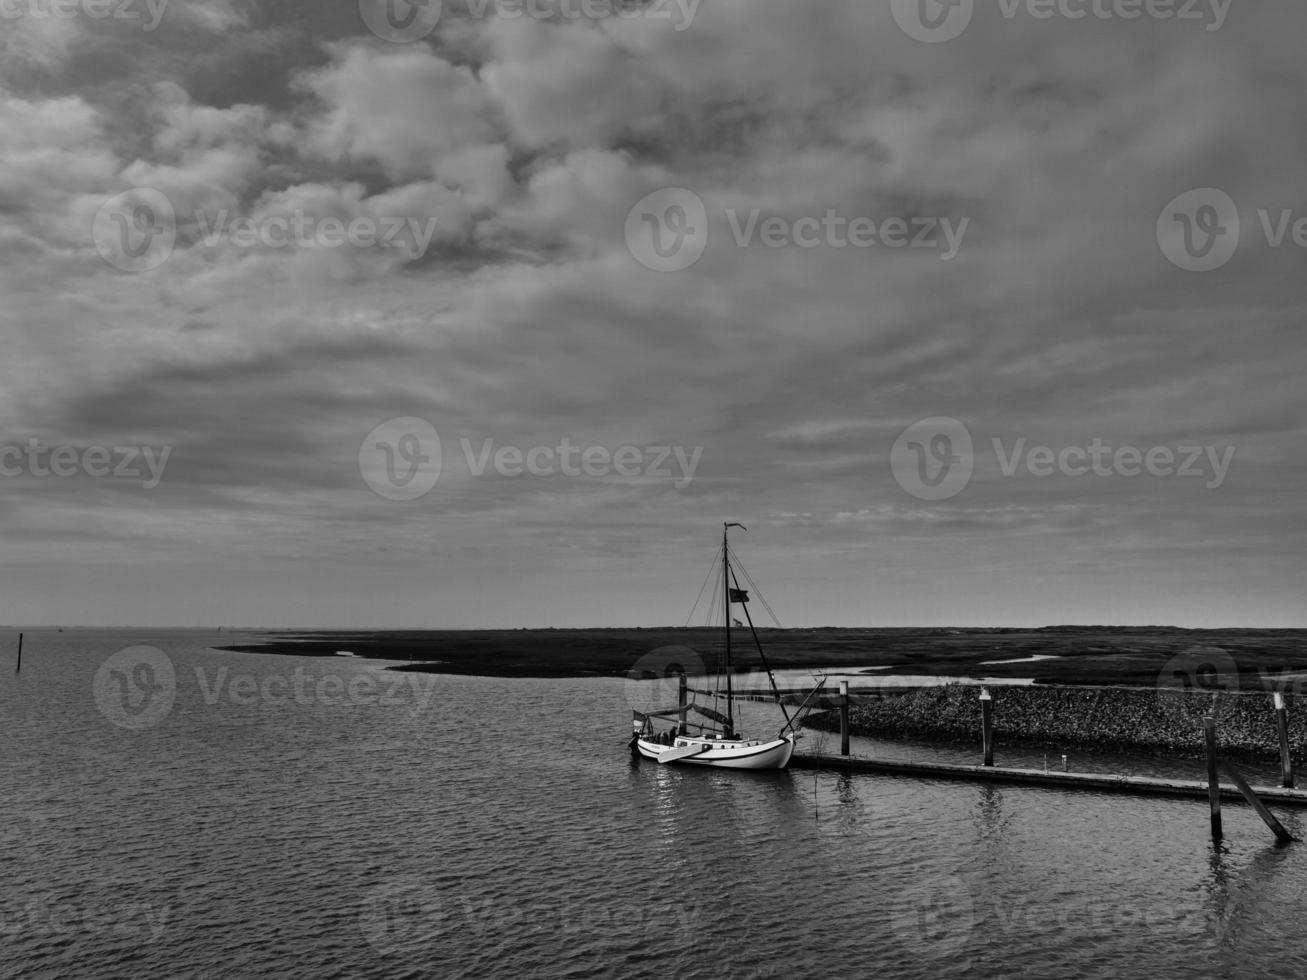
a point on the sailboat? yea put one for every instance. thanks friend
(718, 744)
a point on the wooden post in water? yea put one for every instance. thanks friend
(1256, 803)
(987, 725)
(682, 700)
(1213, 785)
(844, 717)
(20, 654)
(1282, 723)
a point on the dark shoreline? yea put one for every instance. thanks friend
(1090, 655)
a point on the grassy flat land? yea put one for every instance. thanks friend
(1089, 654)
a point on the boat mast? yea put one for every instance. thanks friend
(726, 602)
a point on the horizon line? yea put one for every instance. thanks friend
(474, 629)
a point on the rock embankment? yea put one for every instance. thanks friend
(1094, 718)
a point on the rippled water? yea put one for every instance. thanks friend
(286, 816)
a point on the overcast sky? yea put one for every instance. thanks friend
(912, 291)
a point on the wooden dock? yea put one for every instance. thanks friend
(1094, 782)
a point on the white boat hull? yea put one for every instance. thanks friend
(721, 753)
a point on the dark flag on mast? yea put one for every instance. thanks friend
(739, 595)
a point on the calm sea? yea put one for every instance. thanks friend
(174, 811)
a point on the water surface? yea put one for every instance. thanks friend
(289, 816)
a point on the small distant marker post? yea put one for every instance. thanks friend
(844, 717)
(1282, 723)
(987, 725)
(1213, 785)
(19, 668)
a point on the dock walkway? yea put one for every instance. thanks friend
(1096, 782)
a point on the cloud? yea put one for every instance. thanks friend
(521, 147)
(567, 88)
(408, 110)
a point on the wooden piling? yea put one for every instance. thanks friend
(1282, 723)
(20, 654)
(987, 725)
(682, 702)
(844, 717)
(1267, 816)
(1213, 784)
